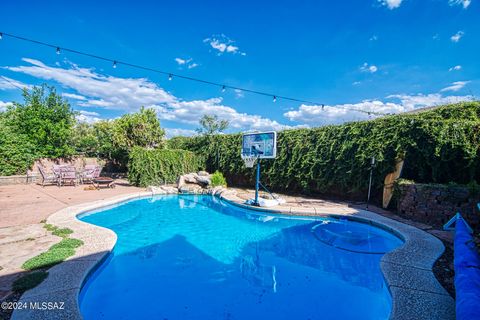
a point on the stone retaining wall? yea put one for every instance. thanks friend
(435, 204)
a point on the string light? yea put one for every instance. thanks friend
(114, 64)
(323, 106)
(171, 75)
(223, 88)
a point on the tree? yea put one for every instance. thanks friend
(210, 125)
(45, 119)
(16, 152)
(138, 129)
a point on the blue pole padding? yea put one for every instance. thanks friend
(467, 273)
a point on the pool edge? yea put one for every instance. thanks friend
(416, 294)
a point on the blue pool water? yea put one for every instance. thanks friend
(195, 257)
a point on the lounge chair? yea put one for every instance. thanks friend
(90, 173)
(48, 178)
(68, 175)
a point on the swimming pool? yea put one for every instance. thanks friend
(197, 257)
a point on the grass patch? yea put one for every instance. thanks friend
(29, 281)
(56, 231)
(48, 259)
(57, 253)
(67, 244)
(50, 227)
(65, 232)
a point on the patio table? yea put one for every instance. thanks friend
(104, 181)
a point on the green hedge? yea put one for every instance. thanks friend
(156, 166)
(441, 145)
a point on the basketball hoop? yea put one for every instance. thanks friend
(249, 160)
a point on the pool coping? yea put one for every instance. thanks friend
(416, 293)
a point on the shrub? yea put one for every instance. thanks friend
(218, 179)
(439, 146)
(156, 166)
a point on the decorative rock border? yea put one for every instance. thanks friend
(416, 293)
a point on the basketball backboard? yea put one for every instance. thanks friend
(261, 144)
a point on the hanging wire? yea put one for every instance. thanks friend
(12, 83)
(171, 75)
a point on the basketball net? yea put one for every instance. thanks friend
(249, 160)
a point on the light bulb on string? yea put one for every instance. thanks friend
(114, 64)
(223, 88)
(58, 50)
(274, 98)
(170, 77)
(1, 36)
(323, 107)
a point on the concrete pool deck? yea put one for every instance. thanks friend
(408, 273)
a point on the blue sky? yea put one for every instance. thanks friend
(384, 56)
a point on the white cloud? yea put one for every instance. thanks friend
(368, 68)
(455, 86)
(12, 84)
(335, 114)
(105, 91)
(455, 68)
(373, 38)
(73, 96)
(88, 116)
(186, 62)
(189, 112)
(4, 105)
(180, 61)
(391, 4)
(464, 3)
(239, 93)
(174, 132)
(128, 94)
(223, 44)
(457, 36)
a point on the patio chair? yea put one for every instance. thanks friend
(90, 173)
(68, 175)
(48, 178)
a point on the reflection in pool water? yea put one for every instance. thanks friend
(195, 257)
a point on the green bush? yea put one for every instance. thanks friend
(156, 166)
(440, 145)
(218, 179)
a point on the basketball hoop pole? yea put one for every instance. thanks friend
(257, 183)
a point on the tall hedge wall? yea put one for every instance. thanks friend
(156, 166)
(441, 145)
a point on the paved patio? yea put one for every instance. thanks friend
(24, 204)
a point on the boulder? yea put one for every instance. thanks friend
(203, 180)
(190, 177)
(169, 189)
(156, 190)
(180, 182)
(203, 173)
(191, 188)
